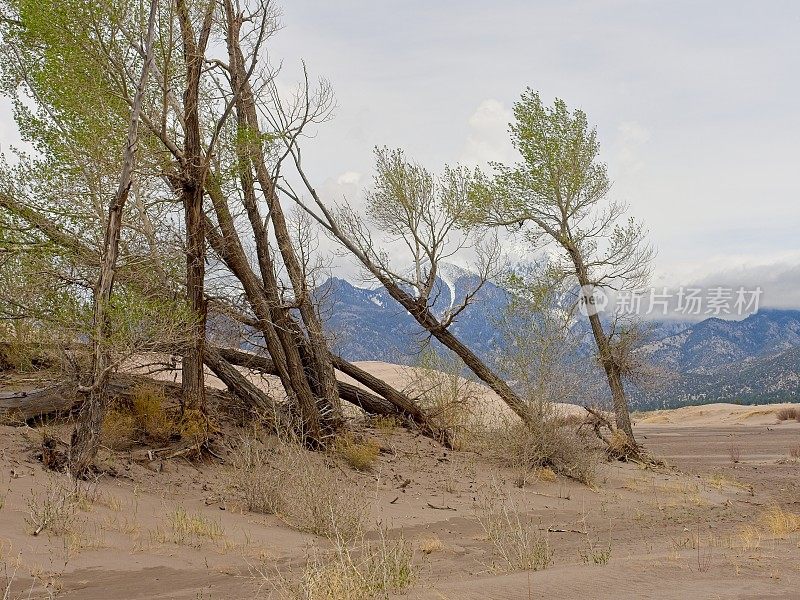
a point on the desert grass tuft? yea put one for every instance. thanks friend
(143, 417)
(53, 510)
(189, 529)
(794, 452)
(430, 545)
(362, 571)
(359, 455)
(151, 415)
(384, 424)
(276, 477)
(542, 444)
(118, 429)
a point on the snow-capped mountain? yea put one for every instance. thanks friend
(368, 324)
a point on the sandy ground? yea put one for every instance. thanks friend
(695, 529)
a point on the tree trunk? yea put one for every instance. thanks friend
(86, 436)
(193, 176)
(622, 415)
(317, 364)
(254, 398)
(424, 317)
(273, 319)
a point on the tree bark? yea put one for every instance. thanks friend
(86, 435)
(193, 177)
(423, 316)
(273, 320)
(622, 415)
(238, 384)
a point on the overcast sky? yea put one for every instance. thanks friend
(695, 103)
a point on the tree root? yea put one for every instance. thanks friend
(618, 446)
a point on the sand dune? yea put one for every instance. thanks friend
(717, 414)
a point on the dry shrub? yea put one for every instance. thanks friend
(794, 451)
(517, 542)
(287, 480)
(781, 522)
(254, 478)
(735, 452)
(384, 424)
(430, 545)
(446, 397)
(544, 444)
(544, 474)
(359, 455)
(144, 417)
(749, 538)
(119, 428)
(147, 405)
(788, 413)
(364, 571)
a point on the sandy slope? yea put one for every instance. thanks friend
(696, 532)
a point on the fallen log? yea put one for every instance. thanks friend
(238, 383)
(390, 402)
(63, 397)
(23, 406)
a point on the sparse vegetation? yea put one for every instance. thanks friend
(282, 478)
(384, 424)
(430, 545)
(545, 445)
(363, 571)
(361, 455)
(595, 555)
(794, 452)
(516, 541)
(186, 528)
(781, 522)
(53, 510)
(143, 418)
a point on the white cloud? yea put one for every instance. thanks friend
(488, 139)
(631, 136)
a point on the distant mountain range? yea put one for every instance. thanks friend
(753, 360)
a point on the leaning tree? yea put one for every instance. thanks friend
(558, 195)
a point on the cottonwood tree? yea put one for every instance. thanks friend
(425, 215)
(245, 223)
(86, 437)
(558, 193)
(57, 198)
